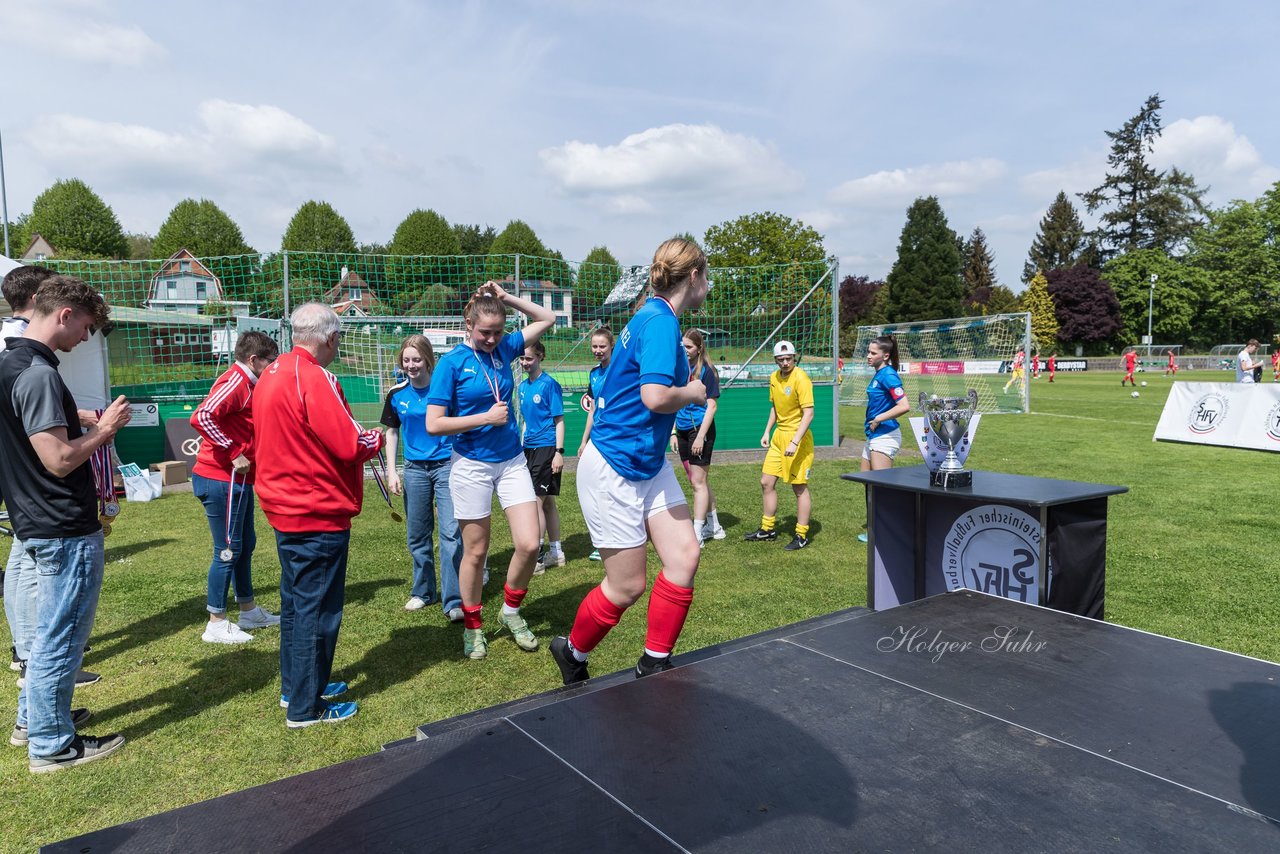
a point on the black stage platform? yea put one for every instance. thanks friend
(859, 731)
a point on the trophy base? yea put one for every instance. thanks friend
(952, 479)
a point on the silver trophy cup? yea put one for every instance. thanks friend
(949, 417)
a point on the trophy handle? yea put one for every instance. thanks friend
(923, 398)
(973, 399)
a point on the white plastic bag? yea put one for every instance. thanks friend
(140, 486)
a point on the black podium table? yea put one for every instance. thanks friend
(1032, 539)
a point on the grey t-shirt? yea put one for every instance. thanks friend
(33, 399)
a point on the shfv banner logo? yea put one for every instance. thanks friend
(994, 549)
(1207, 413)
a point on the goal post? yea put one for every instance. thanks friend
(948, 357)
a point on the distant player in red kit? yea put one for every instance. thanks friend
(1035, 365)
(1275, 366)
(1053, 365)
(1171, 369)
(1130, 363)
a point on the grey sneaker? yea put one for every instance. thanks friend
(78, 719)
(258, 618)
(455, 615)
(83, 748)
(519, 630)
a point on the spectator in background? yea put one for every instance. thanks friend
(222, 480)
(310, 456)
(53, 505)
(1245, 365)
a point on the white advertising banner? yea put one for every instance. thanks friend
(1233, 415)
(934, 450)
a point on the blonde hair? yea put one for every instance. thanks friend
(674, 262)
(483, 303)
(422, 344)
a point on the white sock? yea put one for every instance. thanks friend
(555, 546)
(713, 519)
(508, 610)
(577, 656)
(653, 654)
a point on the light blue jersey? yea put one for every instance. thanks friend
(406, 410)
(541, 401)
(463, 383)
(631, 437)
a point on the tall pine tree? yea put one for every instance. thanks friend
(979, 269)
(926, 282)
(1061, 241)
(1142, 208)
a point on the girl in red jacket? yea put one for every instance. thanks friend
(222, 480)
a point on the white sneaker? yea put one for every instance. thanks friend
(719, 532)
(258, 618)
(415, 603)
(225, 631)
(555, 556)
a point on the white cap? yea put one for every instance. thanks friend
(784, 348)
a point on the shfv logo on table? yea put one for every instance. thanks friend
(1207, 413)
(994, 549)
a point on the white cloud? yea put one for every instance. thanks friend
(822, 219)
(895, 187)
(229, 146)
(1076, 177)
(675, 160)
(1210, 149)
(77, 30)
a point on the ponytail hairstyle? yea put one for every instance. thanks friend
(422, 344)
(483, 303)
(888, 344)
(537, 347)
(674, 262)
(700, 343)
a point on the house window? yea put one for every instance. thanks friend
(202, 290)
(171, 287)
(353, 293)
(562, 321)
(184, 266)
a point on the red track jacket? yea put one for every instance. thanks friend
(309, 450)
(225, 420)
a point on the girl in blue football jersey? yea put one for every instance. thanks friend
(886, 402)
(602, 350)
(427, 501)
(470, 397)
(542, 405)
(628, 493)
(695, 438)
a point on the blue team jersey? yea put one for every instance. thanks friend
(405, 409)
(691, 415)
(631, 437)
(462, 383)
(595, 378)
(541, 402)
(884, 392)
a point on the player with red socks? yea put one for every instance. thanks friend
(628, 492)
(1130, 365)
(470, 396)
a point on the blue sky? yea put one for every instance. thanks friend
(623, 123)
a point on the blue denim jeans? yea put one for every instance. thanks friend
(69, 578)
(423, 483)
(313, 577)
(213, 495)
(20, 599)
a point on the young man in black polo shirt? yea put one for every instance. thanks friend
(45, 472)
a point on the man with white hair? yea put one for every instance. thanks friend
(310, 480)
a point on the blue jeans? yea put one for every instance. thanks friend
(313, 577)
(20, 587)
(213, 495)
(69, 578)
(424, 482)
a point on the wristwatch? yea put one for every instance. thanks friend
(560, 451)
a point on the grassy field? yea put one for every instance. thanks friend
(1189, 555)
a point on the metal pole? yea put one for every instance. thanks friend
(284, 286)
(1151, 295)
(4, 203)
(835, 353)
